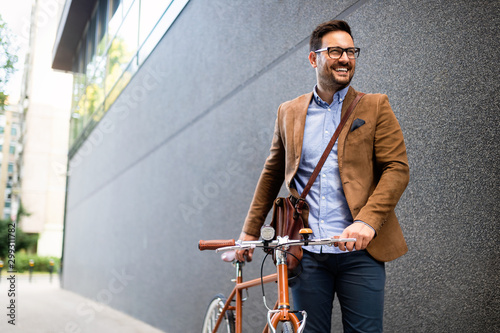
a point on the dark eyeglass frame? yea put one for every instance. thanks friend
(337, 48)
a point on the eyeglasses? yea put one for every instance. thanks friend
(335, 52)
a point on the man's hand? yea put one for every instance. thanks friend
(363, 234)
(245, 255)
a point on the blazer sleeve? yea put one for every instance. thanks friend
(269, 184)
(391, 167)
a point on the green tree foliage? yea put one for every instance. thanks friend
(24, 241)
(8, 59)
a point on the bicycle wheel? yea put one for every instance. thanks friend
(213, 312)
(287, 327)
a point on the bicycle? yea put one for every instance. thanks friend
(220, 308)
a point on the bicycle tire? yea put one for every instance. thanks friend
(214, 309)
(287, 327)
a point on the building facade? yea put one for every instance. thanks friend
(11, 121)
(172, 116)
(44, 102)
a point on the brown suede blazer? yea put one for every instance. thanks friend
(372, 161)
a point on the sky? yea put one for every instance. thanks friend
(17, 16)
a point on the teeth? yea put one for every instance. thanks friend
(341, 69)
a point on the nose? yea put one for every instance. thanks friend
(343, 57)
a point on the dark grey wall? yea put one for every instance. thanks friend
(176, 159)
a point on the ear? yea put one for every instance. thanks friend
(312, 59)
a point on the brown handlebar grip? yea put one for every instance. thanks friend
(215, 244)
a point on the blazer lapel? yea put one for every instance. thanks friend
(349, 98)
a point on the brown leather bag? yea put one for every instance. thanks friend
(287, 212)
(287, 221)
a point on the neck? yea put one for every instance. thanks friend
(326, 93)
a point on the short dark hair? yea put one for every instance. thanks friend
(317, 35)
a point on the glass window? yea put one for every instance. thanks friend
(10, 168)
(127, 3)
(113, 5)
(91, 36)
(115, 18)
(13, 131)
(110, 52)
(120, 55)
(117, 88)
(12, 149)
(151, 12)
(102, 23)
(79, 94)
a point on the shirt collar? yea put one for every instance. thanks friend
(338, 97)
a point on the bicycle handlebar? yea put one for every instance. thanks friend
(231, 244)
(215, 244)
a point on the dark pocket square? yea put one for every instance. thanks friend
(357, 123)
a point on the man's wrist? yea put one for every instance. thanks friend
(247, 236)
(359, 221)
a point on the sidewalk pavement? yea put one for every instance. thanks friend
(42, 306)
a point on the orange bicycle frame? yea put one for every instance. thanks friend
(282, 312)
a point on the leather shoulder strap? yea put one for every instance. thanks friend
(323, 158)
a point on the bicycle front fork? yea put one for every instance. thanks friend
(283, 312)
(271, 323)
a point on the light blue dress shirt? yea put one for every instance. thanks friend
(329, 213)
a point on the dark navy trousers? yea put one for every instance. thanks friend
(356, 278)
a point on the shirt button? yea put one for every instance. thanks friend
(322, 221)
(324, 175)
(329, 109)
(323, 197)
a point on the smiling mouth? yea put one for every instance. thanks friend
(341, 70)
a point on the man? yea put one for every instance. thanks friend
(354, 195)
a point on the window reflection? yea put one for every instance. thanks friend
(151, 12)
(118, 38)
(123, 47)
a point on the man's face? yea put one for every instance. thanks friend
(334, 73)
